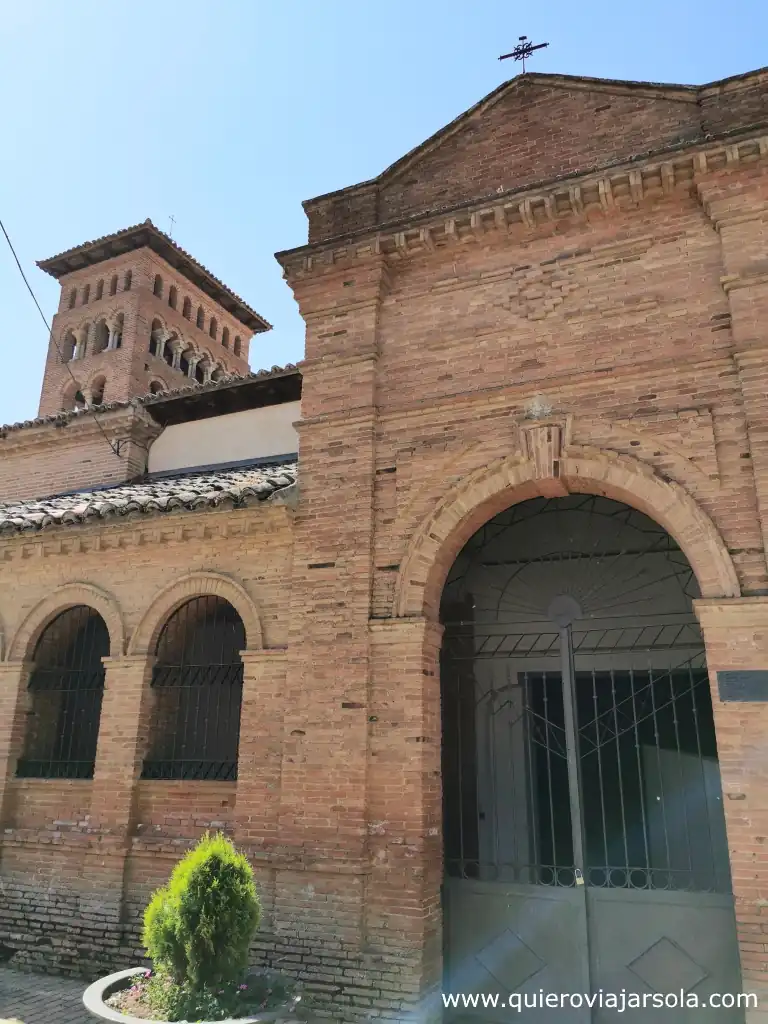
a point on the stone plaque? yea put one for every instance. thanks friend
(743, 685)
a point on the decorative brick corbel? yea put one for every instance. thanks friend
(543, 443)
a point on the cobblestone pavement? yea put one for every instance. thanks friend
(41, 998)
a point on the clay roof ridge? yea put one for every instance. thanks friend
(190, 492)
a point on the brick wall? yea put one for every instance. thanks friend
(633, 308)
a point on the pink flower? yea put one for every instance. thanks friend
(242, 987)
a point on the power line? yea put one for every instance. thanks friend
(113, 449)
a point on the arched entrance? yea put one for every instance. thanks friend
(584, 835)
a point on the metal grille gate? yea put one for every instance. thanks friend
(585, 845)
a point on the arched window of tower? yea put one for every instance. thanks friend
(100, 337)
(172, 297)
(116, 338)
(127, 280)
(213, 329)
(68, 347)
(158, 286)
(156, 338)
(225, 337)
(238, 347)
(97, 391)
(86, 295)
(72, 298)
(157, 387)
(200, 318)
(113, 285)
(187, 311)
(99, 290)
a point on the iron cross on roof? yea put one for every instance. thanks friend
(522, 50)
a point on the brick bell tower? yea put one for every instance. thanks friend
(138, 315)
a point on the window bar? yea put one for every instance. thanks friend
(548, 763)
(710, 845)
(619, 773)
(601, 781)
(662, 799)
(683, 788)
(648, 866)
(528, 741)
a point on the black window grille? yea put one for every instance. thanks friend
(66, 686)
(198, 685)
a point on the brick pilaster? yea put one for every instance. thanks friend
(14, 703)
(260, 752)
(736, 637)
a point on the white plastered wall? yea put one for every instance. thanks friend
(252, 434)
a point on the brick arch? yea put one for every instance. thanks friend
(196, 584)
(59, 600)
(505, 482)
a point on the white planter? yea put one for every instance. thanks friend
(95, 996)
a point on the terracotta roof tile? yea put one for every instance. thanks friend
(190, 491)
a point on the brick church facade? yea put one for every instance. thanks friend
(558, 303)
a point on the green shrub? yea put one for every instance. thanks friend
(199, 926)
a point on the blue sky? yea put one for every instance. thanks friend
(228, 114)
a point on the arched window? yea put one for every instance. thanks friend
(172, 296)
(184, 361)
(168, 354)
(200, 318)
(86, 295)
(225, 337)
(156, 387)
(100, 337)
(118, 342)
(72, 298)
(197, 683)
(127, 280)
(238, 346)
(187, 310)
(97, 391)
(157, 288)
(66, 688)
(213, 328)
(99, 289)
(69, 347)
(217, 374)
(155, 338)
(113, 285)
(199, 374)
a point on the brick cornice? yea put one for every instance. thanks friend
(132, 421)
(616, 188)
(135, 531)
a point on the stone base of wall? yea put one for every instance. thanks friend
(63, 930)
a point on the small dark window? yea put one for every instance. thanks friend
(86, 295)
(187, 310)
(158, 286)
(72, 298)
(172, 297)
(66, 688)
(200, 318)
(238, 347)
(119, 331)
(99, 290)
(113, 285)
(225, 337)
(213, 328)
(156, 387)
(97, 391)
(69, 347)
(127, 281)
(199, 374)
(197, 684)
(184, 365)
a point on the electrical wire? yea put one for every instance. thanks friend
(51, 338)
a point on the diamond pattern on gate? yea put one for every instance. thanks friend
(665, 967)
(509, 960)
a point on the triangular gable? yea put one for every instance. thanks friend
(535, 128)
